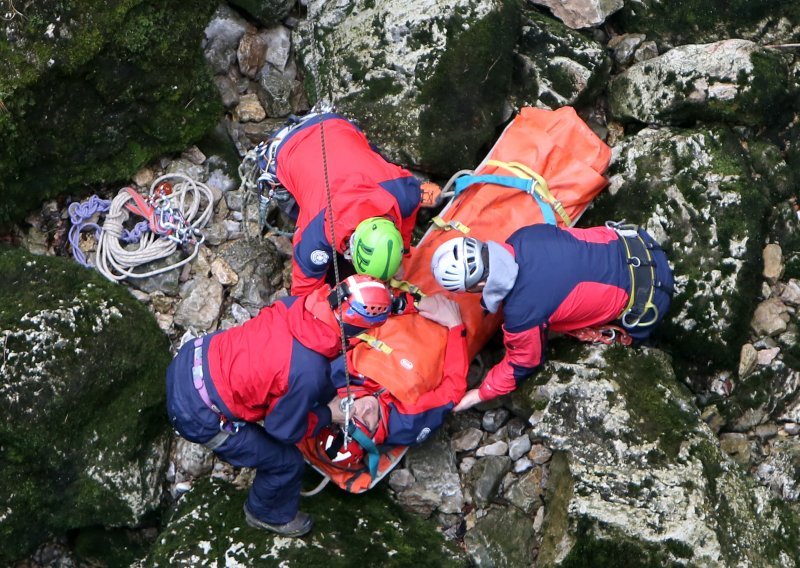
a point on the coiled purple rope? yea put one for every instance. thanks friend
(79, 213)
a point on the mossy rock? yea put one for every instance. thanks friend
(555, 65)
(638, 479)
(266, 12)
(732, 81)
(429, 93)
(784, 229)
(207, 528)
(686, 21)
(693, 191)
(91, 91)
(84, 439)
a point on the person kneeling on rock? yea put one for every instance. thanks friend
(272, 370)
(548, 279)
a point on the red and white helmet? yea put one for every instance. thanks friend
(366, 301)
(458, 264)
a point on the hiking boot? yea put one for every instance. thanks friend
(300, 525)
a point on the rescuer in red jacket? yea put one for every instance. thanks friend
(546, 279)
(374, 202)
(251, 392)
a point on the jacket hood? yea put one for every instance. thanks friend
(312, 323)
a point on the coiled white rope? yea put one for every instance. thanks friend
(178, 218)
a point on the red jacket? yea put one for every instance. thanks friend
(253, 365)
(362, 185)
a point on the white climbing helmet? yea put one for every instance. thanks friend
(458, 264)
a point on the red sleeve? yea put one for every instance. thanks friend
(454, 381)
(524, 353)
(302, 284)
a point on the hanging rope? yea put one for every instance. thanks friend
(348, 401)
(175, 210)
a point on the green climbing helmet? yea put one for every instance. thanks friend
(376, 248)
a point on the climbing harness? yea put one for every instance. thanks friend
(174, 211)
(254, 184)
(641, 267)
(227, 427)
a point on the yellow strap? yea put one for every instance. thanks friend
(649, 303)
(540, 187)
(450, 225)
(375, 343)
(406, 286)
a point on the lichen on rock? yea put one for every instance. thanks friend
(414, 73)
(81, 385)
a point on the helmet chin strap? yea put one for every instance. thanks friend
(346, 404)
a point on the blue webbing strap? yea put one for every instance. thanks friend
(524, 184)
(373, 454)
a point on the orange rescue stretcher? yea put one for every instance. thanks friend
(547, 166)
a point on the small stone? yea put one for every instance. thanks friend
(493, 419)
(766, 290)
(223, 272)
(239, 313)
(144, 177)
(736, 445)
(536, 417)
(143, 297)
(522, 465)
(773, 263)
(538, 520)
(540, 454)
(466, 465)
(516, 427)
(767, 319)
(249, 109)
(766, 431)
(467, 440)
(164, 322)
(791, 293)
(518, 447)
(498, 448)
(766, 356)
(713, 418)
(747, 360)
(401, 479)
(648, 50)
(791, 428)
(194, 155)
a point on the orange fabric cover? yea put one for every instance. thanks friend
(559, 146)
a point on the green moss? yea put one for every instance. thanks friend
(100, 383)
(652, 395)
(613, 551)
(687, 21)
(463, 99)
(208, 523)
(110, 103)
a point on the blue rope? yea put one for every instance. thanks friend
(81, 212)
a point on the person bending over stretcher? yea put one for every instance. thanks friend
(375, 202)
(550, 279)
(381, 417)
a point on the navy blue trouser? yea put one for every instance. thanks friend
(275, 494)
